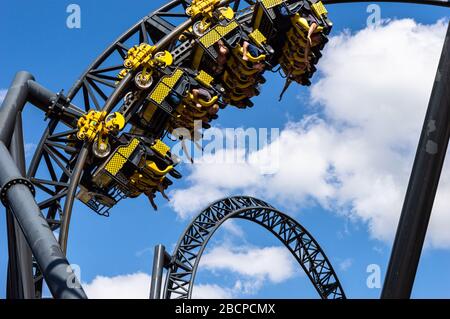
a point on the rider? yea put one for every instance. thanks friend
(254, 51)
(205, 95)
(313, 38)
(251, 49)
(223, 57)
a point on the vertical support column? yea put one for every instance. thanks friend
(20, 283)
(159, 262)
(422, 186)
(18, 197)
(57, 271)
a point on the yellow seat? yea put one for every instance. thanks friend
(302, 24)
(298, 72)
(251, 58)
(188, 113)
(295, 40)
(194, 112)
(242, 67)
(233, 82)
(203, 102)
(156, 170)
(237, 97)
(298, 58)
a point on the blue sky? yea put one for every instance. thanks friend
(35, 38)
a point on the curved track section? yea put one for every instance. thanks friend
(438, 3)
(301, 244)
(63, 163)
(56, 167)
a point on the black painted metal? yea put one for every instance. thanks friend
(422, 187)
(159, 259)
(94, 84)
(151, 29)
(20, 283)
(74, 181)
(439, 3)
(305, 249)
(13, 104)
(19, 197)
(55, 267)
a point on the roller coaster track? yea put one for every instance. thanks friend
(304, 248)
(59, 163)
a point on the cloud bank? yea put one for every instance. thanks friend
(353, 153)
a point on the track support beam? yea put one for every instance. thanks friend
(161, 260)
(19, 198)
(422, 186)
(20, 284)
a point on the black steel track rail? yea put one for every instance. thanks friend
(305, 249)
(56, 164)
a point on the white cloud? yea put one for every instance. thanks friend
(345, 264)
(240, 288)
(132, 286)
(272, 263)
(233, 229)
(30, 148)
(252, 266)
(193, 201)
(356, 158)
(211, 292)
(2, 94)
(137, 286)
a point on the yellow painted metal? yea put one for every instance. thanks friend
(204, 78)
(258, 37)
(121, 156)
(164, 58)
(218, 32)
(210, 38)
(242, 65)
(90, 125)
(251, 58)
(202, 7)
(138, 55)
(203, 102)
(302, 26)
(114, 122)
(235, 97)
(269, 4)
(93, 125)
(161, 147)
(295, 40)
(144, 55)
(236, 80)
(156, 170)
(224, 30)
(227, 13)
(147, 180)
(164, 87)
(319, 9)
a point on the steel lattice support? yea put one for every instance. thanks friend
(17, 192)
(60, 159)
(305, 249)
